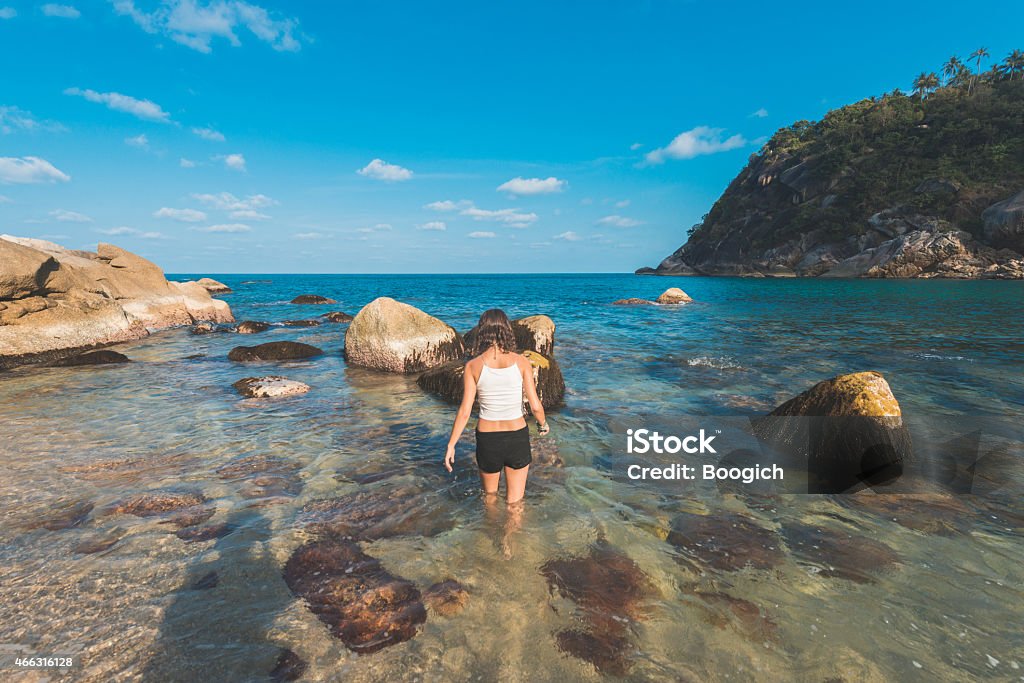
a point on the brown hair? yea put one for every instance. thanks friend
(494, 329)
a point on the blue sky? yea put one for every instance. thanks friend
(387, 136)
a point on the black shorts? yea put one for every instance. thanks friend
(495, 450)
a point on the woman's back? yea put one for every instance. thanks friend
(500, 389)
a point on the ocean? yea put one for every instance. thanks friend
(930, 591)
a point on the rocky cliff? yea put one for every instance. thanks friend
(56, 301)
(925, 185)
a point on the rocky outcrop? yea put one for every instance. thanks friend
(279, 350)
(56, 301)
(893, 186)
(212, 286)
(396, 337)
(848, 430)
(673, 295)
(312, 299)
(272, 386)
(446, 380)
(532, 333)
(102, 357)
(337, 317)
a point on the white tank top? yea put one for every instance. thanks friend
(500, 393)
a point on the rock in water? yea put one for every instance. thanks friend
(446, 598)
(610, 590)
(104, 357)
(369, 515)
(312, 299)
(848, 430)
(362, 604)
(280, 350)
(289, 667)
(212, 286)
(272, 386)
(396, 337)
(446, 380)
(633, 301)
(337, 317)
(203, 327)
(160, 503)
(725, 541)
(300, 323)
(673, 295)
(65, 516)
(839, 554)
(54, 301)
(252, 327)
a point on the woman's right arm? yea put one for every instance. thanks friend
(462, 416)
(530, 387)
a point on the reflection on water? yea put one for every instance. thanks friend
(149, 512)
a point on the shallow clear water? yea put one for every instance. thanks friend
(948, 609)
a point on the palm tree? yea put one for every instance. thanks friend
(925, 83)
(978, 55)
(1012, 65)
(952, 68)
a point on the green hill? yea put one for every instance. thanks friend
(928, 184)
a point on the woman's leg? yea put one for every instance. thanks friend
(515, 484)
(489, 481)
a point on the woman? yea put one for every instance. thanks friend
(496, 378)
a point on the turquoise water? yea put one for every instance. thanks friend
(945, 610)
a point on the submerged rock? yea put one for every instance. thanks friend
(721, 610)
(266, 477)
(279, 350)
(337, 317)
(312, 299)
(446, 598)
(203, 327)
(66, 516)
(300, 323)
(930, 512)
(103, 357)
(839, 554)
(252, 327)
(362, 604)
(396, 337)
(609, 590)
(196, 534)
(159, 503)
(378, 513)
(289, 667)
(848, 430)
(272, 386)
(96, 544)
(446, 380)
(632, 301)
(673, 295)
(725, 541)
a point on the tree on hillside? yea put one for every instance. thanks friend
(1012, 66)
(978, 55)
(925, 83)
(952, 68)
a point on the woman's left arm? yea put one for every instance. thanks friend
(462, 416)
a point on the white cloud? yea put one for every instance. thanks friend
(186, 163)
(760, 113)
(140, 141)
(482, 235)
(69, 216)
(636, 145)
(568, 236)
(125, 230)
(13, 118)
(27, 170)
(5, 200)
(180, 215)
(143, 109)
(379, 227)
(433, 225)
(309, 236)
(209, 134)
(194, 24)
(8, 13)
(622, 204)
(227, 227)
(532, 186)
(381, 170)
(696, 142)
(235, 162)
(249, 214)
(449, 205)
(51, 9)
(619, 221)
(510, 217)
(225, 201)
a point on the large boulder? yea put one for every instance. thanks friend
(56, 301)
(848, 430)
(532, 333)
(396, 337)
(673, 295)
(446, 380)
(252, 327)
(279, 350)
(212, 286)
(1004, 223)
